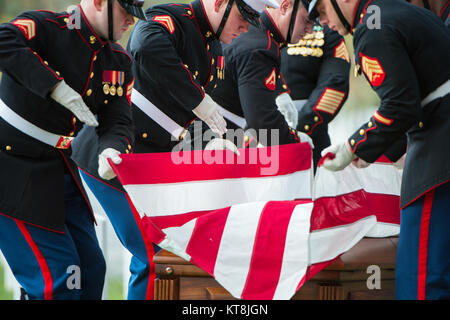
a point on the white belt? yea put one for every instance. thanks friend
(238, 120)
(300, 103)
(166, 122)
(157, 115)
(440, 92)
(54, 140)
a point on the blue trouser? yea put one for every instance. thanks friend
(51, 265)
(126, 225)
(423, 255)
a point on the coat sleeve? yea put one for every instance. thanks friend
(21, 41)
(386, 65)
(331, 89)
(257, 78)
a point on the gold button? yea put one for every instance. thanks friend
(66, 20)
(105, 102)
(71, 133)
(186, 66)
(57, 73)
(126, 151)
(92, 75)
(215, 86)
(46, 63)
(8, 148)
(361, 132)
(144, 135)
(207, 47)
(212, 61)
(189, 12)
(420, 124)
(74, 120)
(129, 146)
(208, 34)
(89, 92)
(352, 142)
(285, 86)
(316, 118)
(211, 78)
(95, 57)
(92, 39)
(370, 124)
(271, 34)
(306, 128)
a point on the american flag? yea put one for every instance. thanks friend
(259, 222)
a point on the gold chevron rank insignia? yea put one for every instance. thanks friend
(341, 51)
(27, 26)
(166, 21)
(271, 80)
(330, 101)
(373, 70)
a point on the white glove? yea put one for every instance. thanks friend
(287, 108)
(222, 144)
(342, 156)
(208, 112)
(69, 98)
(104, 169)
(360, 163)
(305, 138)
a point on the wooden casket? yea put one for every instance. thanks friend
(347, 278)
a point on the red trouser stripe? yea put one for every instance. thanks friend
(423, 244)
(48, 282)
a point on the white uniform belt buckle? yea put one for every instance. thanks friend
(64, 142)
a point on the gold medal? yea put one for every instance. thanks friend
(120, 91)
(106, 88)
(112, 90)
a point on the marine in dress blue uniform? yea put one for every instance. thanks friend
(47, 228)
(410, 72)
(316, 70)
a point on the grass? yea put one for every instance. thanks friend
(4, 294)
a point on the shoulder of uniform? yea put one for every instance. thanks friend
(117, 48)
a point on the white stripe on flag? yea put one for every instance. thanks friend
(158, 199)
(327, 244)
(377, 178)
(179, 237)
(295, 256)
(236, 246)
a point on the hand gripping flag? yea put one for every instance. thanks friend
(248, 220)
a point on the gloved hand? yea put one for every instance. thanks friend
(69, 98)
(360, 163)
(400, 163)
(104, 169)
(287, 108)
(208, 112)
(342, 156)
(305, 138)
(222, 144)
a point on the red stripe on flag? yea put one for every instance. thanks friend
(329, 212)
(268, 249)
(386, 207)
(176, 220)
(205, 239)
(158, 168)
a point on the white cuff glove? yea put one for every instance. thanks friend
(305, 138)
(287, 108)
(400, 163)
(104, 169)
(69, 98)
(343, 156)
(208, 112)
(222, 144)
